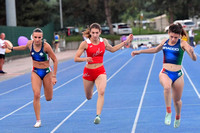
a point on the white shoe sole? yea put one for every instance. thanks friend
(37, 124)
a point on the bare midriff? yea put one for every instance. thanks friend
(172, 67)
(41, 65)
(93, 66)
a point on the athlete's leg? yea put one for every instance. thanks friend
(1, 64)
(48, 86)
(100, 82)
(101, 85)
(36, 85)
(88, 87)
(177, 90)
(166, 82)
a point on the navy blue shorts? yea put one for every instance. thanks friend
(2, 56)
(41, 72)
(173, 75)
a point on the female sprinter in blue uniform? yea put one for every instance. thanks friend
(41, 73)
(94, 72)
(171, 76)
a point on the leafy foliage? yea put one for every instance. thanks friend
(85, 12)
(32, 13)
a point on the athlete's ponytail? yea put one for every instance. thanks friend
(86, 33)
(183, 32)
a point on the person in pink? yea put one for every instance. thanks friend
(94, 71)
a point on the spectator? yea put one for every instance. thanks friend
(2, 52)
(56, 42)
(191, 37)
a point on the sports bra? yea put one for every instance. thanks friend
(39, 56)
(173, 54)
(95, 51)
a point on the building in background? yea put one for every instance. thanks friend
(160, 22)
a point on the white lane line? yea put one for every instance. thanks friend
(1, 94)
(197, 54)
(43, 95)
(195, 89)
(40, 97)
(63, 121)
(142, 98)
(15, 89)
(11, 90)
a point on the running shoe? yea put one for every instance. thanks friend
(97, 120)
(168, 118)
(2, 72)
(177, 123)
(38, 124)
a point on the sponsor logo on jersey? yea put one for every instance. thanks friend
(171, 48)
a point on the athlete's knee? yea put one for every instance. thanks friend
(36, 96)
(101, 92)
(167, 89)
(177, 102)
(49, 98)
(89, 97)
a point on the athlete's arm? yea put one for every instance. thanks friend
(81, 49)
(24, 47)
(48, 49)
(117, 47)
(151, 50)
(189, 50)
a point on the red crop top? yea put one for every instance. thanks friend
(95, 51)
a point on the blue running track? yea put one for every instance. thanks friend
(134, 100)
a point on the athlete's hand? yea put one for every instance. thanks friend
(54, 80)
(135, 53)
(89, 59)
(129, 39)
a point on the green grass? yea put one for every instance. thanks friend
(141, 31)
(74, 38)
(197, 37)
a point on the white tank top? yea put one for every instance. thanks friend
(2, 50)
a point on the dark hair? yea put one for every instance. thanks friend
(37, 30)
(86, 33)
(177, 29)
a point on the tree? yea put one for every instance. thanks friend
(2, 13)
(32, 13)
(108, 14)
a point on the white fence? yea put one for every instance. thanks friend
(148, 40)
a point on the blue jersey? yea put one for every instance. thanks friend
(39, 56)
(56, 38)
(173, 54)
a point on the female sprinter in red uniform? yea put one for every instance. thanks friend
(94, 72)
(171, 76)
(41, 52)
